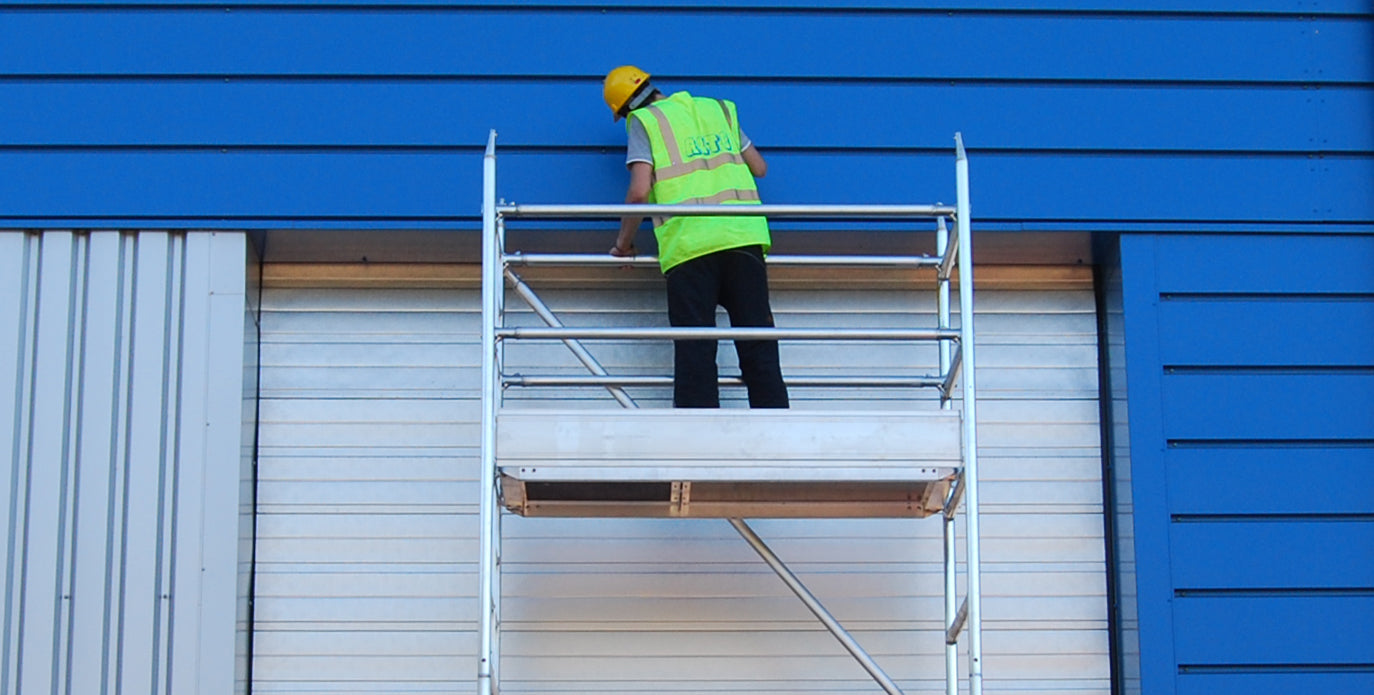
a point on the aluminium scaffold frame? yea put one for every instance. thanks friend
(956, 361)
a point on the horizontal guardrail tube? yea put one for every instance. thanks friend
(533, 333)
(766, 210)
(552, 259)
(612, 380)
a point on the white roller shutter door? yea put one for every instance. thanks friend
(367, 536)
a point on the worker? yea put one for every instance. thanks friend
(691, 150)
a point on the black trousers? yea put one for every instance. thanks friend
(736, 279)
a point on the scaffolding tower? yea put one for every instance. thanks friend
(735, 464)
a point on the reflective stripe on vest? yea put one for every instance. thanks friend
(697, 160)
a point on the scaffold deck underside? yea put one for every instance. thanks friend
(726, 463)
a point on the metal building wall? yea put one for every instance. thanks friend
(304, 113)
(368, 513)
(121, 412)
(1116, 436)
(1154, 115)
(248, 467)
(1251, 460)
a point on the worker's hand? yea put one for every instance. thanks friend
(617, 250)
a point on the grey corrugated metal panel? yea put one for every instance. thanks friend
(1058, 541)
(191, 530)
(127, 419)
(1047, 584)
(840, 298)
(746, 580)
(360, 643)
(397, 497)
(420, 412)
(419, 409)
(804, 672)
(384, 434)
(371, 673)
(1072, 616)
(416, 354)
(243, 636)
(841, 686)
(737, 655)
(1053, 314)
(1014, 467)
(142, 590)
(347, 382)
(98, 492)
(883, 545)
(305, 497)
(58, 403)
(364, 672)
(17, 259)
(41, 569)
(806, 538)
(353, 612)
(433, 325)
(716, 643)
(309, 465)
(370, 299)
(849, 686)
(419, 524)
(811, 357)
(225, 464)
(800, 356)
(863, 553)
(33, 419)
(437, 580)
(914, 631)
(920, 301)
(372, 354)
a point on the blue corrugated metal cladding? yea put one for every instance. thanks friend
(1251, 395)
(363, 114)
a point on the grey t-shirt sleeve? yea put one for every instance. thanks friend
(640, 151)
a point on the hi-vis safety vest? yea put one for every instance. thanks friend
(696, 148)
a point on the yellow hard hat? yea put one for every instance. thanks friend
(623, 84)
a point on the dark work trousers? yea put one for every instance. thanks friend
(737, 280)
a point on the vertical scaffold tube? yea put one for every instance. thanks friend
(942, 304)
(970, 424)
(947, 520)
(491, 286)
(498, 394)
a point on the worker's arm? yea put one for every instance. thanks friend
(641, 174)
(754, 161)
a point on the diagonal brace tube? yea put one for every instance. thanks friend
(814, 604)
(952, 632)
